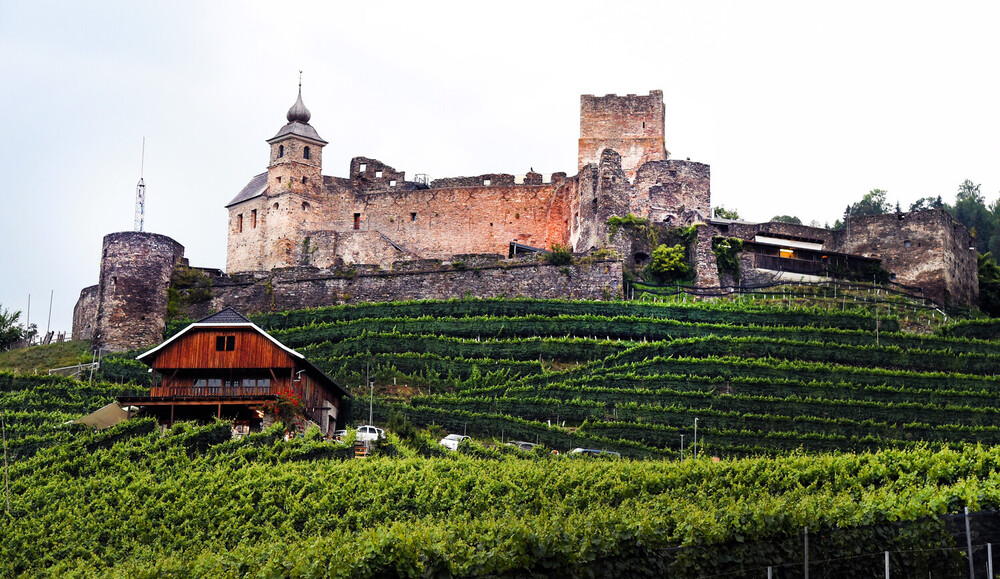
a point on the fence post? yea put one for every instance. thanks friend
(989, 560)
(968, 545)
(887, 565)
(805, 546)
(769, 572)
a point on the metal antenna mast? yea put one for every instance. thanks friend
(140, 192)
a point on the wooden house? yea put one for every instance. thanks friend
(225, 366)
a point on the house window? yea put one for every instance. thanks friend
(378, 174)
(362, 167)
(239, 223)
(253, 218)
(305, 153)
(225, 343)
(357, 221)
(413, 216)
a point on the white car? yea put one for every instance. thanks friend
(369, 434)
(452, 441)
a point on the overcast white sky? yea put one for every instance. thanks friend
(800, 108)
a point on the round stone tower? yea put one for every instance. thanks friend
(132, 291)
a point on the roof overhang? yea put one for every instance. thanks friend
(197, 325)
(145, 356)
(793, 243)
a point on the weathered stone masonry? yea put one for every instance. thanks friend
(298, 238)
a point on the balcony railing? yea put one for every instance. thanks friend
(212, 391)
(792, 265)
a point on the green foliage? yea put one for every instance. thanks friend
(128, 502)
(560, 255)
(46, 357)
(10, 331)
(639, 227)
(927, 203)
(188, 286)
(669, 263)
(727, 255)
(989, 285)
(787, 219)
(873, 203)
(723, 213)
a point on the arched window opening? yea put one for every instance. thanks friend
(305, 206)
(281, 150)
(305, 153)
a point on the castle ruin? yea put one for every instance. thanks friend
(298, 238)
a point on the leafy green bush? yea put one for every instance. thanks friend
(669, 263)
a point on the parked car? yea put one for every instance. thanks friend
(452, 441)
(339, 435)
(368, 433)
(595, 452)
(525, 446)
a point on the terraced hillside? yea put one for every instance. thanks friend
(635, 376)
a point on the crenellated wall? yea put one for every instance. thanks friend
(632, 125)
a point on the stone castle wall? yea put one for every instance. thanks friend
(128, 308)
(132, 293)
(631, 125)
(929, 249)
(296, 288)
(85, 313)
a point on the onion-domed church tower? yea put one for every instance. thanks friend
(268, 218)
(296, 152)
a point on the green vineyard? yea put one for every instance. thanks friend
(822, 421)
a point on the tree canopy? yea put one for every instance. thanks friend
(787, 219)
(10, 331)
(723, 213)
(873, 203)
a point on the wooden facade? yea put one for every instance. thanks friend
(226, 367)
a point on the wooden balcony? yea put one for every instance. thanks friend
(213, 391)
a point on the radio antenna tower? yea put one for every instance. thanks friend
(140, 191)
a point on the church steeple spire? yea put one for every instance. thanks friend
(298, 122)
(299, 112)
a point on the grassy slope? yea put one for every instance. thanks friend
(42, 358)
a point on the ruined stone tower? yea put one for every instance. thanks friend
(630, 125)
(132, 293)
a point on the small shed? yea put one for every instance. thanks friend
(225, 366)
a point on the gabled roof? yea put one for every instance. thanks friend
(255, 188)
(226, 315)
(230, 318)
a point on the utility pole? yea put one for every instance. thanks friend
(371, 393)
(6, 467)
(695, 451)
(48, 324)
